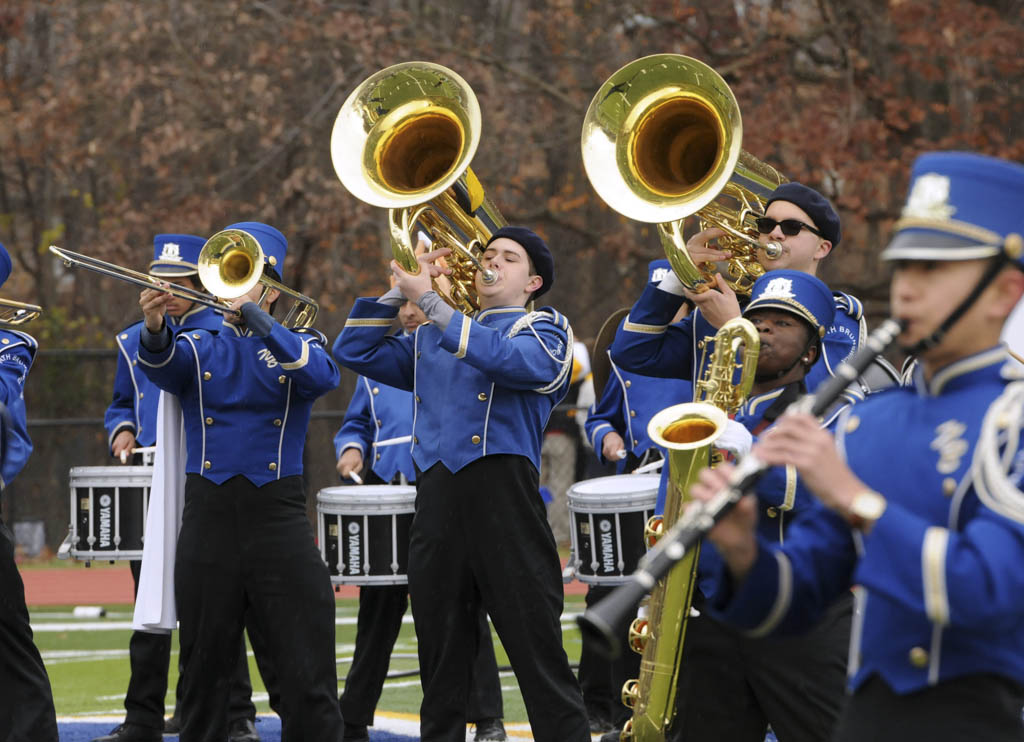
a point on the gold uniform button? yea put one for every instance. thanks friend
(418, 400)
(475, 439)
(281, 379)
(635, 443)
(209, 421)
(195, 335)
(415, 440)
(379, 422)
(378, 457)
(772, 512)
(123, 337)
(632, 413)
(852, 424)
(140, 394)
(277, 422)
(207, 464)
(948, 486)
(628, 383)
(482, 397)
(206, 376)
(376, 390)
(918, 657)
(272, 466)
(135, 363)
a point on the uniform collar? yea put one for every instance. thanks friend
(479, 316)
(962, 373)
(237, 329)
(792, 391)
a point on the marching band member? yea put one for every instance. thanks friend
(482, 386)
(245, 542)
(804, 223)
(924, 484)
(26, 702)
(378, 413)
(616, 428)
(732, 686)
(130, 422)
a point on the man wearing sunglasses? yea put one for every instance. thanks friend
(803, 224)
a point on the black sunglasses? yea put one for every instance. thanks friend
(789, 227)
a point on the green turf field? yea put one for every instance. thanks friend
(88, 661)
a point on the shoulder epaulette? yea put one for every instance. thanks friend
(319, 336)
(851, 305)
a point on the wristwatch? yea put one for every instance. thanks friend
(865, 508)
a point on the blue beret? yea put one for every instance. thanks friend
(5, 265)
(814, 204)
(796, 292)
(961, 206)
(536, 248)
(657, 270)
(274, 244)
(175, 255)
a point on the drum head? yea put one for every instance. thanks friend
(632, 491)
(367, 498)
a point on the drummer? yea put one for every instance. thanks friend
(131, 423)
(376, 431)
(616, 428)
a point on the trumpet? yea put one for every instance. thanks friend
(661, 141)
(15, 313)
(230, 265)
(403, 140)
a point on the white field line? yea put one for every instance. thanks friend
(60, 626)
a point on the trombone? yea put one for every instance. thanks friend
(15, 313)
(230, 264)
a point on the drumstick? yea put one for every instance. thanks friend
(393, 441)
(355, 477)
(621, 454)
(653, 466)
(1018, 358)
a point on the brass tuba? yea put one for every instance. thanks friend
(687, 432)
(403, 140)
(661, 141)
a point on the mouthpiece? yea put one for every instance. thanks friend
(773, 251)
(488, 276)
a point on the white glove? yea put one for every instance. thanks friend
(672, 284)
(736, 439)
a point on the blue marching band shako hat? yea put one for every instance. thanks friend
(175, 255)
(795, 292)
(274, 244)
(961, 206)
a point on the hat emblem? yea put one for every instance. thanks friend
(778, 288)
(929, 198)
(658, 274)
(171, 251)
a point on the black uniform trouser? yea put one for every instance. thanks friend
(973, 707)
(381, 608)
(601, 679)
(481, 536)
(732, 686)
(26, 701)
(149, 655)
(247, 548)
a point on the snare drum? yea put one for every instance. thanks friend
(363, 533)
(608, 516)
(108, 511)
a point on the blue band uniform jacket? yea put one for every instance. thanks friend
(939, 575)
(378, 412)
(17, 351)
(648, 344)
(485, 385)
(628, 403)
(135, 397)
(246, 400)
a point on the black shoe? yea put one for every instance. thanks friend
(173, 725)
(243, 730)
(490, 730)
(613, 736)
(131, 733)
(356, 733)
(599, 724)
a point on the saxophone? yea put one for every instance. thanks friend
(687, 432)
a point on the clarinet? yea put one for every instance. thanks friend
(598, 622)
